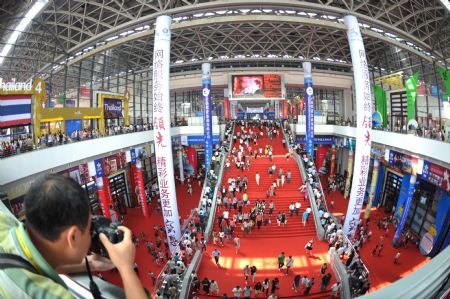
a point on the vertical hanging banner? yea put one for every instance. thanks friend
(180, 165)
(349, 173)
(445, 75)
(161, 131)
(139, 179)
(277, 109)
(411, 92)
(226, 104)
(364, 125)
(373, 186)
(333, 161)
(309, 99)
(207, 112)
(401, 223)
(381, 100)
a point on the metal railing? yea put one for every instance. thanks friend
(319, 228)
(317, 220)
(195, 263)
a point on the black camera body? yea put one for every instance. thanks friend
(101, 224)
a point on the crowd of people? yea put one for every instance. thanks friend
(236, 211)
(358, 276)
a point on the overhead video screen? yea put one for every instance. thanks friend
(267, 86)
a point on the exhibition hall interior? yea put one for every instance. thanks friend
(254, 149)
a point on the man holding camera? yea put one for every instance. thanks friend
(56, 239)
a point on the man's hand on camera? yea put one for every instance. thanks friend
(121, 254)
(100, 263)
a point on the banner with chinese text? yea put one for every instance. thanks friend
(364, 125)
(161, 131)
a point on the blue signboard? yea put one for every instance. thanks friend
(309, 99)
(194, 140)
(426, 170)
(99, 168)
(401, 223)
(133, 156)
(207, 120)
(301, 139)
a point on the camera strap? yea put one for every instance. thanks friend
(9, 260)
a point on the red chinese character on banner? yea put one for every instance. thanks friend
(365, 159)
(160, 139)
(367, 122)
(161, 162)
(367, 138)
(158, 123)
(162, 172)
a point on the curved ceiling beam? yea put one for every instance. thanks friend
(257, 4)
(246, 19)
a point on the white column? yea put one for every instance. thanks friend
(364, 124)
(162, 136)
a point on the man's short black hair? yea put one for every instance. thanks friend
(55, 203)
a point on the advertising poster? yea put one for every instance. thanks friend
(403, 162)
(112, 108)
(110, 165)
(437, 175)
(257, 86)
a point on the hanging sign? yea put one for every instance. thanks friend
(437, 175)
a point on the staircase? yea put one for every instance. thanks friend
(284, 195)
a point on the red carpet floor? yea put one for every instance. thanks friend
(138, 223)
(382, 269)
(262, 247)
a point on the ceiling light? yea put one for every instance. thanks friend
(24, 22)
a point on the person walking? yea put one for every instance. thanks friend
(309, 247)
(257, 177)
(253, 270)
(305, 217)
(203, 242)
(289, 263)
(206, 284)
(296, 283)
(265, 286)
(397, 257)
(258, 288)
(237, 292)
(335, 289)
(216, 255)
(323, 269)
(281, 259)
(237, 243)
(309, 285)
(247, 292)
(246, 273)
(298, 205)
(214, 287)
(326, 279)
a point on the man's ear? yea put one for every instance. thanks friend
(72, 236)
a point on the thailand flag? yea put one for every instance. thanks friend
(15, 110)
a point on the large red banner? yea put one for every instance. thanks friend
(139, 179)
(226, 108)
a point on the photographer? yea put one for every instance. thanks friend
(56, 239)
